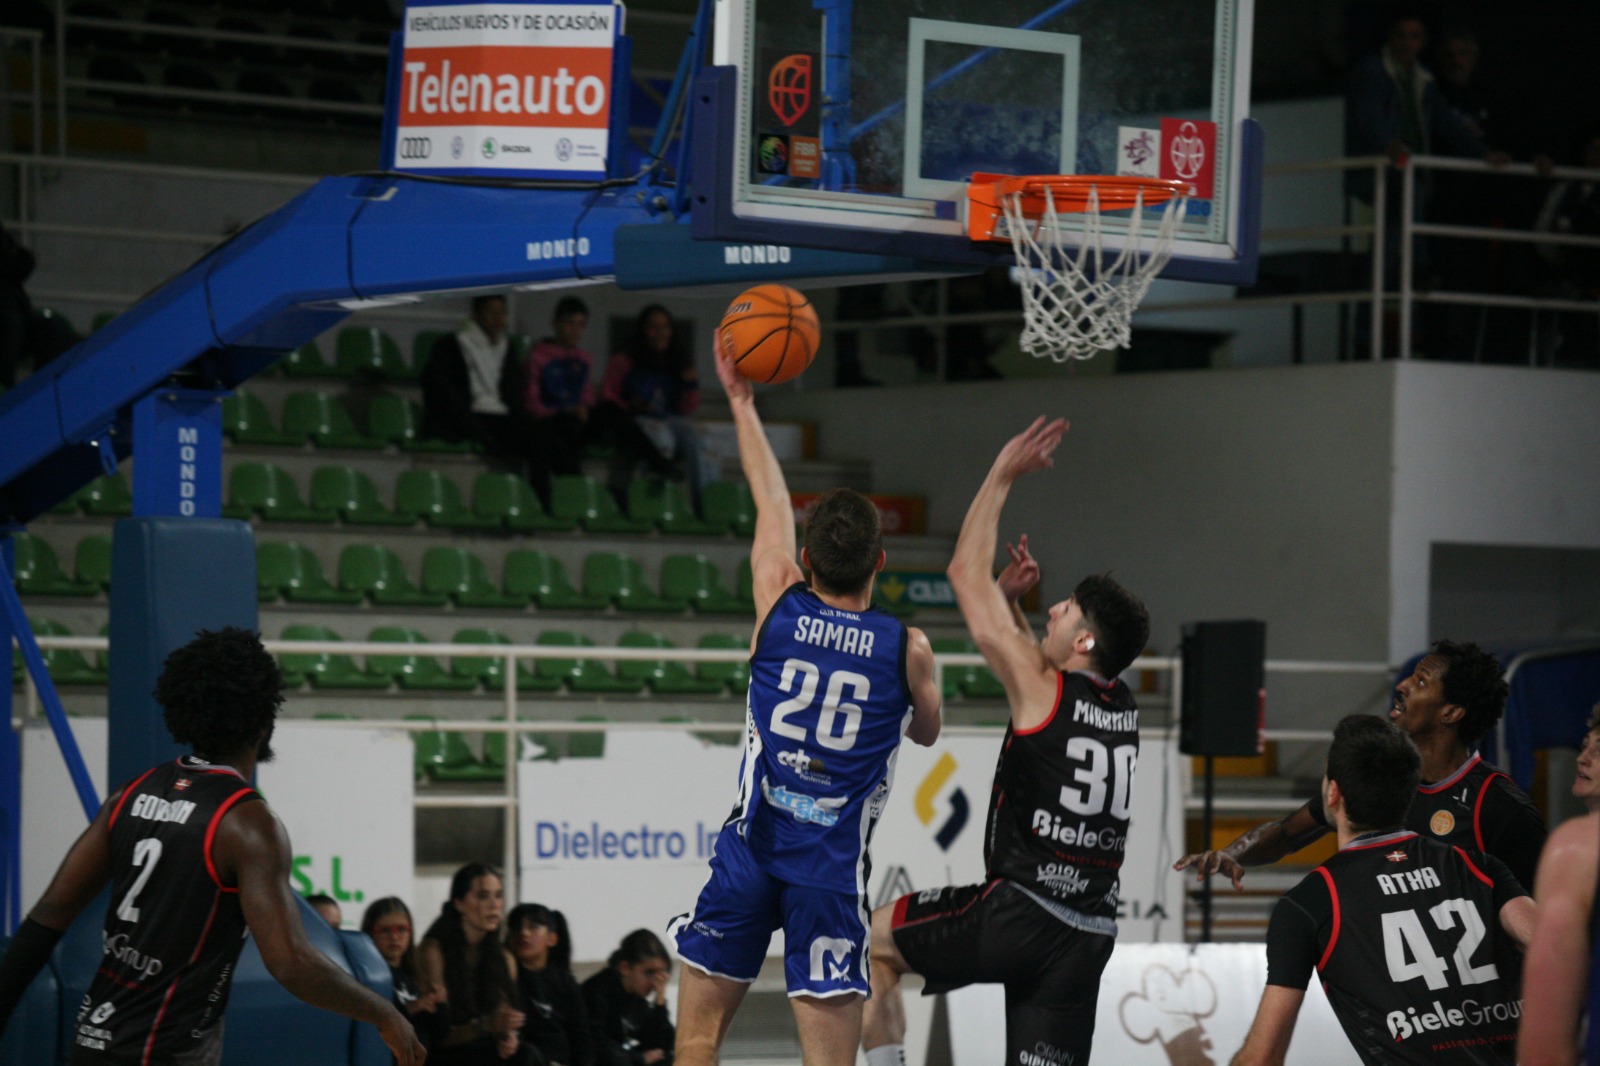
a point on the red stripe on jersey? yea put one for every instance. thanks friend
(1479, 874)
(1477, 810)
(1333, 894)
(899, 917)
(211, 833)
(126, 793)
(1061, 684)
(206, 932)
(903, 902)
(155, 1027)
(1461, 771)
(1389, 840)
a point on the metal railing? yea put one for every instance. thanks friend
(33, 40)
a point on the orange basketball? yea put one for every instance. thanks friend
(770, 332)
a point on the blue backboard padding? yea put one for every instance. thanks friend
(172, 577)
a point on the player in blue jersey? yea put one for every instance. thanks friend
(1563, 965)
(834, 684)
(1043, 920)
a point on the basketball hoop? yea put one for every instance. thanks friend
(1077, 299)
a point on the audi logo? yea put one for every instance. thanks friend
(416, 147)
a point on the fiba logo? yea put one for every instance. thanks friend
(1188, 152)
(457, 146)
(960, 809)
(789, 88)
(488, 148)
(564, 149)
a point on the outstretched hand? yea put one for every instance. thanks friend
(1021, 573)
(735, 384)
(1031, 449)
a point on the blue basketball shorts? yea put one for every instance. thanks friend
(826, 934)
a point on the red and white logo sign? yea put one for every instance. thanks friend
(1189, 152)
(1397, 856)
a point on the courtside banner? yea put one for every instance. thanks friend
(509, 90)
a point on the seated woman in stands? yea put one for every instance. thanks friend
(557, 1027)
(627, 1004)
(652, 384)
(388, 922)
(472, 977)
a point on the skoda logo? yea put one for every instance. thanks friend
(416, 147)
(564, 149)
(457, 146)
(488, 148)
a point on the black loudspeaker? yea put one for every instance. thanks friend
(1224, 688)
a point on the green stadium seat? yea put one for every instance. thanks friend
(584, 500)
(491, 673)
(665, 505)
(984, 685)
(92, 561)
(376, 572)
(728, 505)
(107, 495)
(306, 361)
(587, 745)
(319, 418)
(38, 572)
(445, 755)
(352, 496)
(267, 490)
(287, 569)
(434, 498)
(580, 675)
(324, 669)
(663, 676)
(398, 421)
(246, 421)
(695, 580)
(461, 575)
(567, 745)
(67, 666)
(619, 579)
(735, 676)
(369, 352)
(507, 500)
(69, 505)
(541, 577)
(419, 672)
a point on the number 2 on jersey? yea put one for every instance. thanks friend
(146, 854)
(830, 733)
(1403, 935)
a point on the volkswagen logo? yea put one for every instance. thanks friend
(564, 149)
(457, 145)
(416, 147)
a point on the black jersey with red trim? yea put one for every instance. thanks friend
(1063, 792)
(1478, 808)
(173, 930)
(1405, 933)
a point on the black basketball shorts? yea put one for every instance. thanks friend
(993, 933)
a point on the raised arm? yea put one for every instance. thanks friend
(1261, 846)
(1558, 959)
(1016, 660)
(927, 702)
(1019, 575)
(252, 847)
(1268, 1042)
(772, 552)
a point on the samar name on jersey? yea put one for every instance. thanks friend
(156, 809)
(1097, 717)
(849, 639)
(1398, 884)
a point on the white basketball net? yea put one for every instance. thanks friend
(1079, 300)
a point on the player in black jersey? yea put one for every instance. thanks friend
(1451, 700)
(1564, 959)
(195, 858)
(1043, 922)
(1417, 942)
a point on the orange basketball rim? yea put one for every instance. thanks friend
(1069, 193)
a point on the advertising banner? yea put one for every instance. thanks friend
(900, 514)
(510, 89)
(345, 795)
(622, 841)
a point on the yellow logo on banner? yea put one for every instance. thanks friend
(931, 786)
(893, 589)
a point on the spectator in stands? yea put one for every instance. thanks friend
(557, 1026)
(468, 972)
(1586, 781)
(627, 1004)
(472, 384)
(16, 264)
(558, 395)
(1573, 209)
(650, 392)
(328, 908)
(388, 922)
